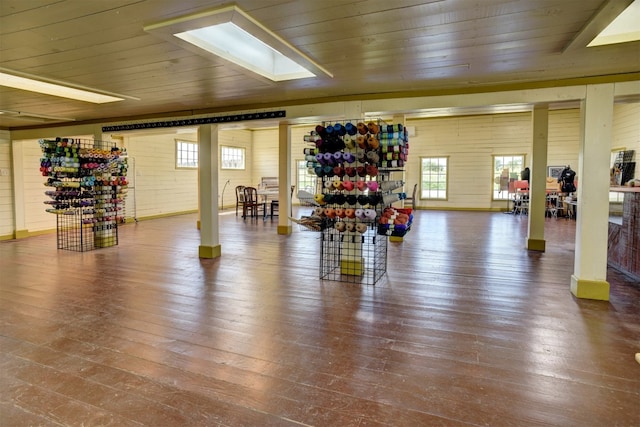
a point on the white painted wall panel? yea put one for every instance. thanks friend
(626, 130)
(469, 142)
(6, 186)
(265, 146)
(564, 138)
(36, 218)
(240, 139)
(265, 154)
(160, 188)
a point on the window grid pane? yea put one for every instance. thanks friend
(306, 179)
(514, 164)
(434, 178)
(186, 154)
(232, 157)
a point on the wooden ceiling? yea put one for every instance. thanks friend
(372, 47)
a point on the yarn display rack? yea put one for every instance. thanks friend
(354, 161)
(89, 185)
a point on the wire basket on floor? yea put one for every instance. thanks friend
(352, 256)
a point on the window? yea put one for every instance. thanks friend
(433, 181)
(307, 179)
(509, 165)
(231, 157)
(616, 175)
(186, 154)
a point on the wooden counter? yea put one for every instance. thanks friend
(625, 189)
(624, 239)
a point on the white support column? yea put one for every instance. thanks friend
(590, 268)
(208, 191)
(284, 178)
(537, 177)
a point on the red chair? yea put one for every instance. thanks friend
(521, 197)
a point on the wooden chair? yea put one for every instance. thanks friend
(240, 200)
(412, 199)
(253, 203)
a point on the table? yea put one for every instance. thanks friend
(270, 196)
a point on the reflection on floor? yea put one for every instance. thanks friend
(466, 328)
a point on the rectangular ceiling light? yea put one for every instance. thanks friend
(232, 34)
(35, 84)
(22, 115)
(624, 28)
(238, 46)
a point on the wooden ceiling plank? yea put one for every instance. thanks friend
(68, 12)
(371, 46)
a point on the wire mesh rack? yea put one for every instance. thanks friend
(355, 162)
(353, 257)
(87, 181)
(72, 234)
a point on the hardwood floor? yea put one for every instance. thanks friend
(466, 328)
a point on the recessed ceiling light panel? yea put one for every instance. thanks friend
(17, 80)
(238, 46)
(232, 34)
(23, 115)
(624, 28)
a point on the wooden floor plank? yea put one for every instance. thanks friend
(466, 328)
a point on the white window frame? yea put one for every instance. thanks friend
(232, 158)
(514, 172)
(615, 196)
(301, 168)
(427, 192)
(186, 154)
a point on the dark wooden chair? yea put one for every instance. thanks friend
(253, 203)
(240, 199)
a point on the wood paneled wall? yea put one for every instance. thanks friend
(265, 154)
(564, 138)
(165, 189)
(160, 188)
(35, 217)
(265, 148)
(6, 187)
(31, 183)
(239, 138)
(626, 130)
(471, 141)
(468, 141)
